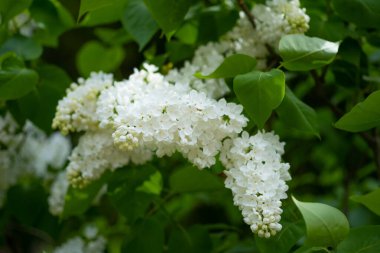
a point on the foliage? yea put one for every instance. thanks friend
(319, 91)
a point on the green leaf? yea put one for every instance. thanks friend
(179, 51)
(169, 14)
(126, 190)
(232, 66)
(370, 200)
(56, 19)
(326, 226)
(284, 240)
(303, 53)
(40, 104)
(89, 55)
(363, 116)
(153, 185)
(298, 115)
(330, 28)
(260, 93)
(148, 237)
(105, 15)
(214, 22)
(361, 240)
(196, 239)
(10, 8)
(77, 201)
(24, 47)
(308, 249)
(190, 179)
(113, 36)
(15, 80)
(364, 13)
(138, 22)
(92, 5)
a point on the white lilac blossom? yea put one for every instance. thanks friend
(148, 112)
(279, 17)
(90, 242)
(256, 176)
(28, 152)
(58, 192)
(76, 111)
(39, 151)
(206, 59)
(10, 167)
(24, 24)
(145, 115)
(273, 20)
(97, 153)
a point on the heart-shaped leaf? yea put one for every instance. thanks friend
(260, 93)
(326, 226)
(303, 53)
(232, 66)
(363, 116)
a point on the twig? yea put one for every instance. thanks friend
(319, 83)
(247, 12)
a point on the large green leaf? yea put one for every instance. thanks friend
(92, 5)
(15, 80)
(308, 249)
(260, 93)
(290, 234)
(232, 66)
(24, 47)
(39, 105)
(89, 55)
(169, 14)
(363, 116)
(370, 200)
(55, 18)
(363, 13)
(107, 14)
(303, 53)
(10, 8)
(361, 240)
(138, 22)
(190, 179)
(298, 115)
(326, 226)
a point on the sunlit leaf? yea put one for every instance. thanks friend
(326, 226)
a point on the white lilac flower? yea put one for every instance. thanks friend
(11, 167)
(256, 177)
(40, 151)
(97, 153)
(28, 151)
(57, 195)
(90, 243)
(273, 20)
(206, 59)
(76, 111)
(24, 24)
(279, 17)
(148, 112)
